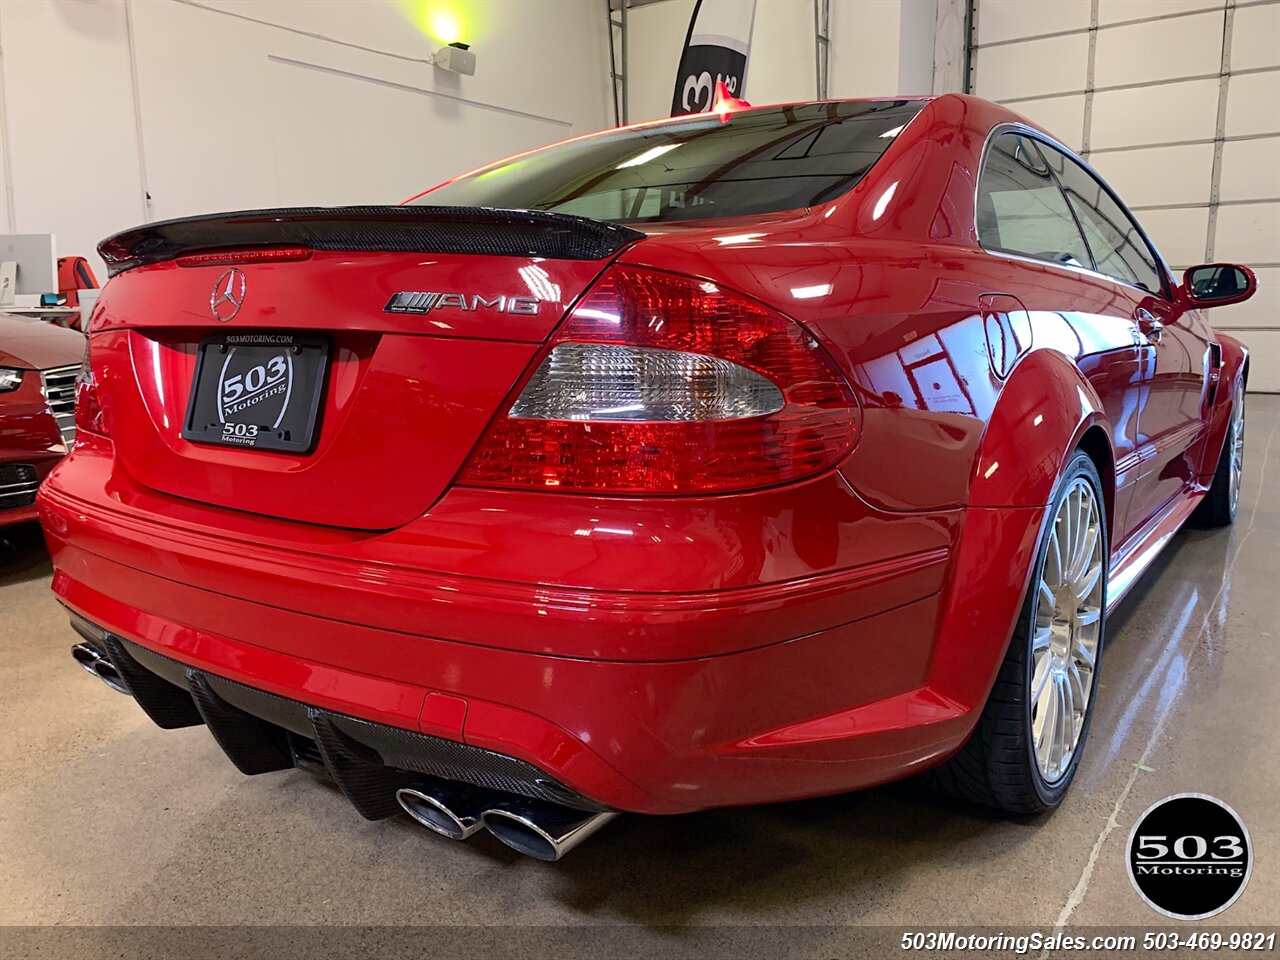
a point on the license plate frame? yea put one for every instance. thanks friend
(237, 400)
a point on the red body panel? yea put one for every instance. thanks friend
(408, 394)
(657, 654)
(29, 433)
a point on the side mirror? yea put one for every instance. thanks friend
(1218, 284)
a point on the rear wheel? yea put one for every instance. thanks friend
(1026, 747)
(1219, 506)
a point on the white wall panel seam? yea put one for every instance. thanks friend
(5, 159)
(410, 88)
(1213, 8)
(1185, 143)
(1139, 86)
(1215, 181)
(971, 78)
(313, 35)
(145, 197)
(1201, 206)
(1088, 78)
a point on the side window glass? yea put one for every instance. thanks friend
(1020, 208)
(1118, 248)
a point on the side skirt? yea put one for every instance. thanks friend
(1140, 552)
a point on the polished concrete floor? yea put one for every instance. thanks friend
(107, 820)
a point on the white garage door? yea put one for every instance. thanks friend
(1177, 104)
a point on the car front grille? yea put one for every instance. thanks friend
(18, 484)
(59, 386)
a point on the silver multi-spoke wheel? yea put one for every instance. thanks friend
(1065, 629)
(1235, 439)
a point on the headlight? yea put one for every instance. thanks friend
(10, 379)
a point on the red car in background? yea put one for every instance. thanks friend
(722, 460)
(38, 367)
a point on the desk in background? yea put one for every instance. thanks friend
(58, 315)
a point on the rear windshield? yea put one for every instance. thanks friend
(759, 161)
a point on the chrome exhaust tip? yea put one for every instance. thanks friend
(108, 674)
(86, 656)
(542, 830)
(450, 809)
(92, 661)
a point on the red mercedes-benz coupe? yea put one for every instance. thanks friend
(723, 460)
(38, 367)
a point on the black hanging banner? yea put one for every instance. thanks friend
(715, 51)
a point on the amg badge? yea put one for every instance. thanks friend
(412, 301)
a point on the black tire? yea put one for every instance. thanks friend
(1219, 506)
(997, 766)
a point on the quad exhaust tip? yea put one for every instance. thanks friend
(545, 831)
(542, 830)
(86, 656)
(92, 661)
(452, 810)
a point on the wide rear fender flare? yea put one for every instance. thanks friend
(1041, 415)
(1234, 371)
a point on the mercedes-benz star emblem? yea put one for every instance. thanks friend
(228, 295)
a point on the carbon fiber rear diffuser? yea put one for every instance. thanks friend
(368, 761)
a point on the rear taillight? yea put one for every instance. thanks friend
(90, 417)
(659, 383)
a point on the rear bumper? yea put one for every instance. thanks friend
(261, 732)
(780, 691)
(646, 737)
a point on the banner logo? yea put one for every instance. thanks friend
(716, 50)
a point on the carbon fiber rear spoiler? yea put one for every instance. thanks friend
(401, 229)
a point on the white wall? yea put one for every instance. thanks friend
(1147, 117)
(780, 67)
(878, 47)
(864, 47)
(246, 103)
(69, 129)
(655, 40)
(222, 104)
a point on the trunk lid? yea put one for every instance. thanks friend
(428, 319)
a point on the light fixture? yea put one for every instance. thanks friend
(456, 57)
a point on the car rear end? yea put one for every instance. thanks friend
(492, 497)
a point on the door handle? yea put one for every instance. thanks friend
(1150, 325)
